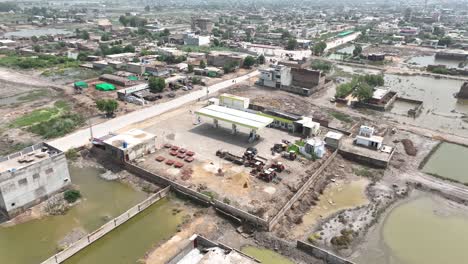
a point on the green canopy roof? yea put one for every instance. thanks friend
(81, 84)
(105, 87)
(133, 78)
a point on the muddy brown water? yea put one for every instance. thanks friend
(425, 229)
(449, 161)
(36, 240)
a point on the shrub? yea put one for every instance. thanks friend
(156, 84)
(72, 154)
(321, 65)
(72, 195)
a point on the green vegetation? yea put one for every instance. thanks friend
(363, 92)
(202, 64)
(344, 240)
(156, 84)
(50, 122)
(261, 59)
(319, 48)
(292, 44)
(314, 237)
(33, 95)
(342, 117)
(439, 70)
(249, 61)
(107, 105)
(14, 148)
(210, 194)
(58, 126)
(230, 66)
(321, 66)
(344, 90)
(361, 85)
(72, 154)
(357, 50)
(72, 195)
(36, 62)
(132, 21)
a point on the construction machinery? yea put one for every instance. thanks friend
(278, 166)
(230, 157)
(267, 175)
(291, 155)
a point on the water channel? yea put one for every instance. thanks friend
(424, 229)
(38, 239)
(266, 255)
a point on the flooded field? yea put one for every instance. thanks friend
(423, 230)
(266, 255)
(145, 230)
(449, 161)
(431, 60)
(336, 197)
(38, 239)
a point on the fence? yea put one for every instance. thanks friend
(322, 254)
(106, 228)
(313, 179)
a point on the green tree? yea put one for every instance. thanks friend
(84, 35)
(190, 68)
(107, 105)
(249, 61)
(129, 48)
(445, 41)
(34, 39)
(321, 65)
(156, 84)
(292, 44)
(363, 92)
(124, 20)
(319, 48)
(216, 42)
(202, 64)
(105, 37)
(147, 8)
(261, 59)
(71, 195)
(37, 48)
(357, 50)
(230, 66)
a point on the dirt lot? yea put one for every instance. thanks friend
(233, 183)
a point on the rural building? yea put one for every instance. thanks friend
(127, 146)
(376, 57)
(233, 101)
(219, 59)
(117, 80)
(104, 25)
(196, 40)
(305, 78)
(31, 176)
(313, 147)
(123, 57)
(306, 127)
(203, 25)
(367, 138)
(275, 77)
(333, 139)
(136, 68)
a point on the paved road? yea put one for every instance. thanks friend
(81, 137)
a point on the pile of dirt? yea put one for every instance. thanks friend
(186, 174)
(409, 147)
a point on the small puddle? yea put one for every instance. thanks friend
(337, 196)
(265, 255)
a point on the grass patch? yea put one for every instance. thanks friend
(58, 126)
(41, 115)
(14, 148)
(37, 62)
(72, 195)
(342, 117)
(34, 95)
(72, 154)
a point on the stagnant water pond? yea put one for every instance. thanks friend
(449, 161)
(266, 255)
(425, 229)
(36, 240)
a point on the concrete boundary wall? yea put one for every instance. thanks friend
(322, 254)
(106, 228)
(197, 196)
(313, 179)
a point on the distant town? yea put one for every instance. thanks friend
(268, 131)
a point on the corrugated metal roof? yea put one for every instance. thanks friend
(234, 116)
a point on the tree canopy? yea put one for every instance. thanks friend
(319, 48)
(157, 84)
(249, 61)
(107, 105)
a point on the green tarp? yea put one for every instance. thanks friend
(133, 78)
(105, 87)
(81, 85)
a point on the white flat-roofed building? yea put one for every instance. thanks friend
(31, 176)
(234, 101)
(129, 145)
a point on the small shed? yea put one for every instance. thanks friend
(313, 147)
(129, 145)
(80, 85)
(105, 87)
(333, 139)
